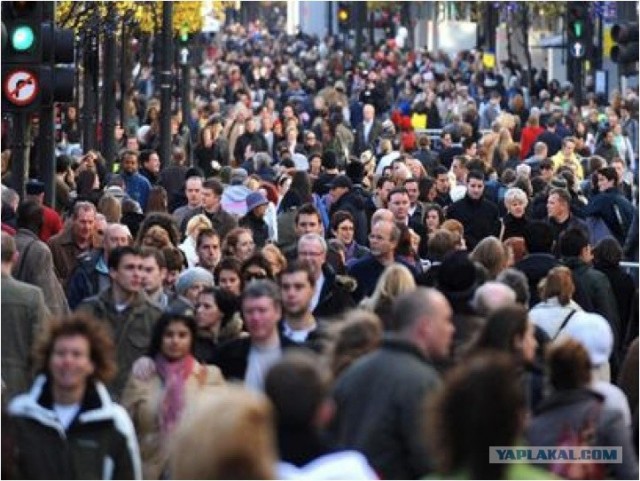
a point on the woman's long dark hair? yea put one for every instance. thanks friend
(481, 405)
(155, 347)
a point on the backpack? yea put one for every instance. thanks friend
(584, 437)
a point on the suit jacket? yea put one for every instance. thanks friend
(361, 144)
(233, 357)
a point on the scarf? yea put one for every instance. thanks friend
(175, 375)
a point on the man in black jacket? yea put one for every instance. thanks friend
(331, 293)
(379, 398)
(92, 275)
(538, 240)
(249, 358)
(479, 216)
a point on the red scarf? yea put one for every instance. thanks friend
(175, 375)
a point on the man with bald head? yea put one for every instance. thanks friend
(383, 242)
(368, 132)
(379, 398)
(92, 275)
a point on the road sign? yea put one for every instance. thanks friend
(21, 87)
(577, 50)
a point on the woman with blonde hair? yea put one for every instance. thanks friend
(239, 443)
(111, 208)
(195, 225)
(491, 254)
(275, 258)
(395, 280)
(515, 222)
(556, 292)
(457, 230)
(239, 244)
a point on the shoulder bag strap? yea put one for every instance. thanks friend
(564, 323)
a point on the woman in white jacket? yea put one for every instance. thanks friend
(194, 226)
(556, 308)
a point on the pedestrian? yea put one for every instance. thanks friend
(67, 426)
(157, 403)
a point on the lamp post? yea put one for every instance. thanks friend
(184, 102)
(109, 90)
(166, 82)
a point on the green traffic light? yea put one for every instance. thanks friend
(22, 38)
(577, 29)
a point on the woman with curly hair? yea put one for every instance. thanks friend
(67, 426)
(163, 220)
(239, 244)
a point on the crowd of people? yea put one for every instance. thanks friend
(313, 287)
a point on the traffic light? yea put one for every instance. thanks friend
(344, 16)
(625, 51)
(183, 34)
(22, 56)
(31, 54)
(579, 36)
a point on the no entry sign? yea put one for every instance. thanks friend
(21, 87)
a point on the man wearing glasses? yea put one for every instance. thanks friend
(331, 294)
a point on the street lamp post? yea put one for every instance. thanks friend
(184, 102)
(166, 82)
(109, 92)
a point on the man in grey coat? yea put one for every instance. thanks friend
(35, 263)
(23, 316)
(379, 397)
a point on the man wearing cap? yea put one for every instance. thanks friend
(345, 198)
(234, 196)
(51, 223)
(222, 221)
(368, 132)
(254, 218)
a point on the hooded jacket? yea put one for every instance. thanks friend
(100, 443)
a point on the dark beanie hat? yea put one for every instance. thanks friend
(329, 159)
(355, 171)
(457, 276)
